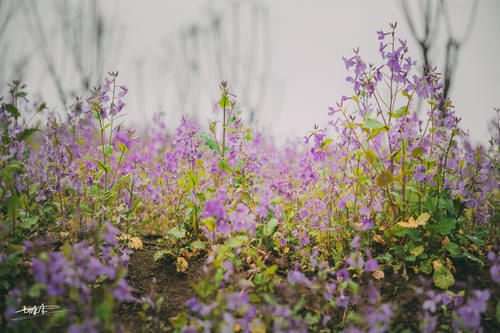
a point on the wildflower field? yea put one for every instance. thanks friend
(387, 220)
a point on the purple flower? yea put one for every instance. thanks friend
(123, 91)
(296, 277)
(87, 327)
(371, 265)
(224, 228)
(495, 268)
(470, 313)
(241, 219)
(237, 300)
(355, 242)
(111, 233)
(39, 270)
(365, 211)
(355, 259)
(214, 208)
(123, 291)
(193, 304)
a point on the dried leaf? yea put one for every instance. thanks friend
(378, 274)
(182, 264)
(135, 243)
(377, 238)
(436, 264)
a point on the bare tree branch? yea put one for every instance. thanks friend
(431, 19)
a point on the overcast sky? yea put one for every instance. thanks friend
(307, 41)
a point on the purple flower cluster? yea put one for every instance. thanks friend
(469, 315)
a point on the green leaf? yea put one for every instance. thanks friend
(179, 321)
(28, 222)
(41, 107)
(373, 123)
(177, 233)
(471, 257)
(12, 206)
(223, 165)
(230, 121)
(270, 300)
(311, 319)
(158, 255)
(122, 146)
(224, 101)
(433, 101)
(270, 226)
(355, 318)
(426, 266)
(107, 149)
(198, 245)
(237, 241)
(102, 166)
(410, 258)
(270, 270)
(325, 143)
(35, 290)
(453, 249)
(209, 142)
(12, 110)
(27, 133)
(399, 112)
(386, 256)
(446, 225)
(418, 250)
(475, 240)
(443, 278)
(105, 310)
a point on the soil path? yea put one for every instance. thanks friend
(175, 287)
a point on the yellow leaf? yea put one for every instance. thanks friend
(417, 251)
(256, 326)
(412, 224)
(384, 178)
(370, 157)
(378, 274)
(423, 218)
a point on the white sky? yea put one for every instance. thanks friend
(308, 40)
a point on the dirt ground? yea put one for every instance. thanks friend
(176, 288)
